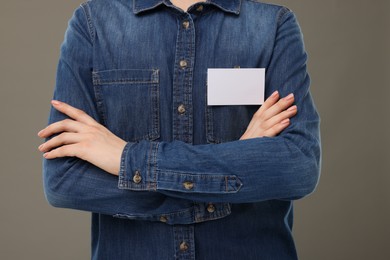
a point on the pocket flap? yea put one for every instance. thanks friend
(125, 76)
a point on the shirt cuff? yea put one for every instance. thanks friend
(197, 182)
(138, 166)
(139, 172)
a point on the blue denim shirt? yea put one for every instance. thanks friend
(188, 188)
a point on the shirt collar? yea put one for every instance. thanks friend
(230, 6)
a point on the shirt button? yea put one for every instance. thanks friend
(186, 24)
(183, 64)
(199, 8)
(188, 185)
(211, 208)
(137, 177)
(183, 246)
(163, 219)
(181, 109)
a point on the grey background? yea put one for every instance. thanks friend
(346, 218)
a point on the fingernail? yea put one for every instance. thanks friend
(55, 102)
(289, 97)
(45, 155)
(274, 94)
(40, 132)
(39, 147)
(285, 121)
(292, 108)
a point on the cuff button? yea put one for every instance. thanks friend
(137, 177)
(163, 219)
(211, 208)
(188, 185)
(199, 8)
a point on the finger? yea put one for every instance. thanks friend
(71, 150)
(271, 100)
(66, 125)
(72, 112)
(281, 105)
(290, 112)
(278, 128)
(60, 140)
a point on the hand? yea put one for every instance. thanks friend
(82, 137)
(272, 117)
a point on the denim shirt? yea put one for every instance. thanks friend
(188, 188)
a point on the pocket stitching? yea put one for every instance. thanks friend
(98, 77)
(154, 132)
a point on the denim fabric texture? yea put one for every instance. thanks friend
(188, 188)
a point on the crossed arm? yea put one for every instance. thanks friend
(278, 157)
(82, 137)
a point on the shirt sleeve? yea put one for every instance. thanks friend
(71, 182)
(282, 167)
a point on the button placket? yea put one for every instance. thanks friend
(183, 80)
(184, 241)
(182, 117)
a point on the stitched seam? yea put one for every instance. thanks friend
(226, 184)
(202, 176)
(124, 70)
(229, 10)
(99, 77)
(124, 81)
(283, 11)
(155, 165)
(138, 10)
(149, 162)
(87, 14)
(179, 212)
(152, 161)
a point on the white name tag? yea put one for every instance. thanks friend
(235, 87)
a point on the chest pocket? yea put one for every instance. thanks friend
(128, 102)
(227, 123)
